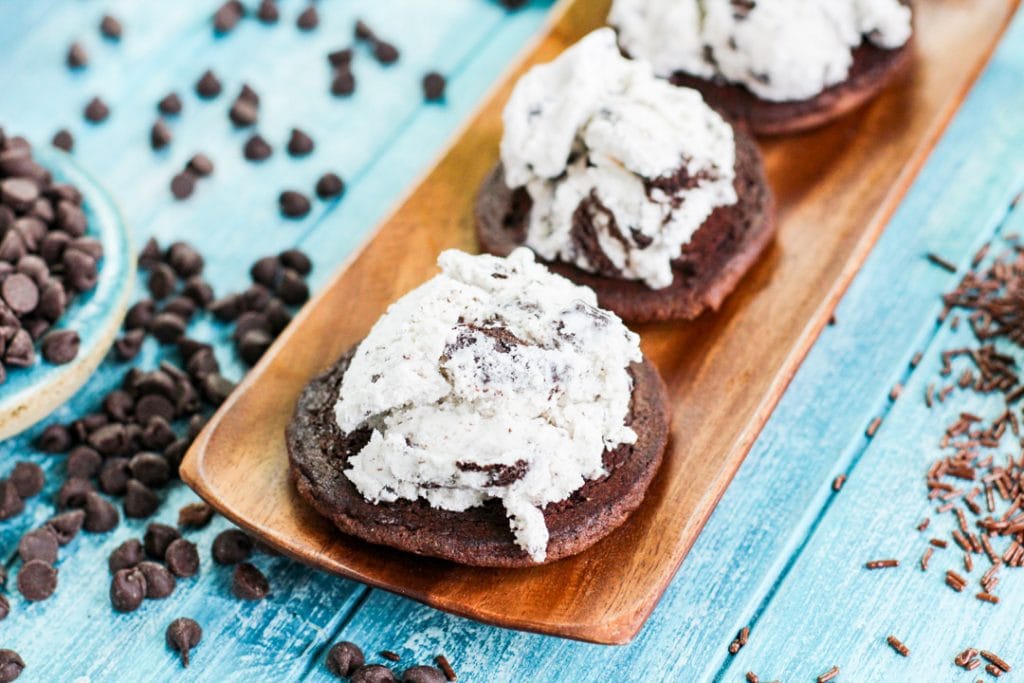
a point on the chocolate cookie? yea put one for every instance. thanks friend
(707, 270)
(872, 70)
(319, 452)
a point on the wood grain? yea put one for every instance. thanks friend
(836, 189)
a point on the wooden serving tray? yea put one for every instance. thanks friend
(836, 189)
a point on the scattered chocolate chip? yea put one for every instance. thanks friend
(182, 558)
(83, 462)
(66, 525)
(344, 658)
(11, 503)
(231, 546)
(329, 185)
(96, 110)
(162, 281)
(128, 346)
(385, 52)
(185, 259)
(183, 185)
(61, 346)
(373, 673)
(200, 165)
(267, 12)
(208, 85)
(77, 56)
(126, 555)
(159, 581)
(182, 635)
(37, 580)
(81, 272)
(265, 270)
(111, 28)
(20, 351)
(28, 479)
(299, 144)
(227, 16)
(170, 104)
(216, 387)
(423, 674)
(257, 149)
(72, 493)
(109, 439)
(160, 135)
(297, 261)
(153, 405)
(195, 516)
(20, 293)
(38, 544)
(243, 113)
(363, 31)
(11, 665)
(100, 514)
(127, 589)
(340, 58)
(63, 139)
(249, 583)
(293, 204)
(54, 439)
(308, 19)
(433, 87)
(227, 308)
(139, 500)
(291, 288)
(343, 83)
(157, 538)
(253, 345)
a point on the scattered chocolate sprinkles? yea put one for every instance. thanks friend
(446, 668)
(828, 675)
(895, 644)
(881, 564)
(837, 483)
(390, 655)
(941, 262)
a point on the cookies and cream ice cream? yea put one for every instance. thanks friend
(495, 379)
(780, 50)
(622, 167)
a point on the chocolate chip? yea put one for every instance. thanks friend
(139, 500)
(169, 104)
(20, 351)
(157, 538)
(195, 516)
(277, 316)
(70, 218)
(81, 270)
(257, 149)
(160, 135)
(37, 580)
(344, 658)
(11, 503)
(202, 363)
(73, 492)
(299, 144)
(87, 245)
(151, 468)
(243, 113)
(153, 405)
(183, 185)
(200, 165)
(185, 259)
(433, 87)
(100, 514)
(196, 423)
(231, 546)
(28, 479)
(227, 308)
(18, 193)
(77, 56)
(54, 438)
(127, 589)
(5, 609)
(216, 388)
(52, 300)
(111, 27)
(52, 246)
(141, 312)
(125, 556)
(293, 204)
(157, 434)
(156, 382)
(292, 288)
(253, 345)
(11, 665)
(423, 674)
(63, 140)
(38, 544)
(182, 558)
(265, 270)
(343, 83)
(96, 110)
(340, 58)
(198, 290)
(61, 346)
(129, 345)
(159, 581)
(227, 16)
(385, 52)
(254, 299)
(363, 31)
(110, 439)
(83, 462)
(249, 321)
(297, 261)
(308, 19)
(66, 525)
(208, 85)
(329, 185)
(162, 281)
(182, 635)
(374, 673)
(249, 583)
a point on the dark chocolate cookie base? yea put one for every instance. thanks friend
(707, 270)
(872, 70)
(319, 451)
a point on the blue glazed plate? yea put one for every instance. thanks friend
(32, 393)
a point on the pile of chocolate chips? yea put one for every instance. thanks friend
(46, 259)
(346, 660)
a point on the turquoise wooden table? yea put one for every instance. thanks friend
(783, 553)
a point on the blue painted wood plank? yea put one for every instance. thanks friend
(816, 432)
(378, 139)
